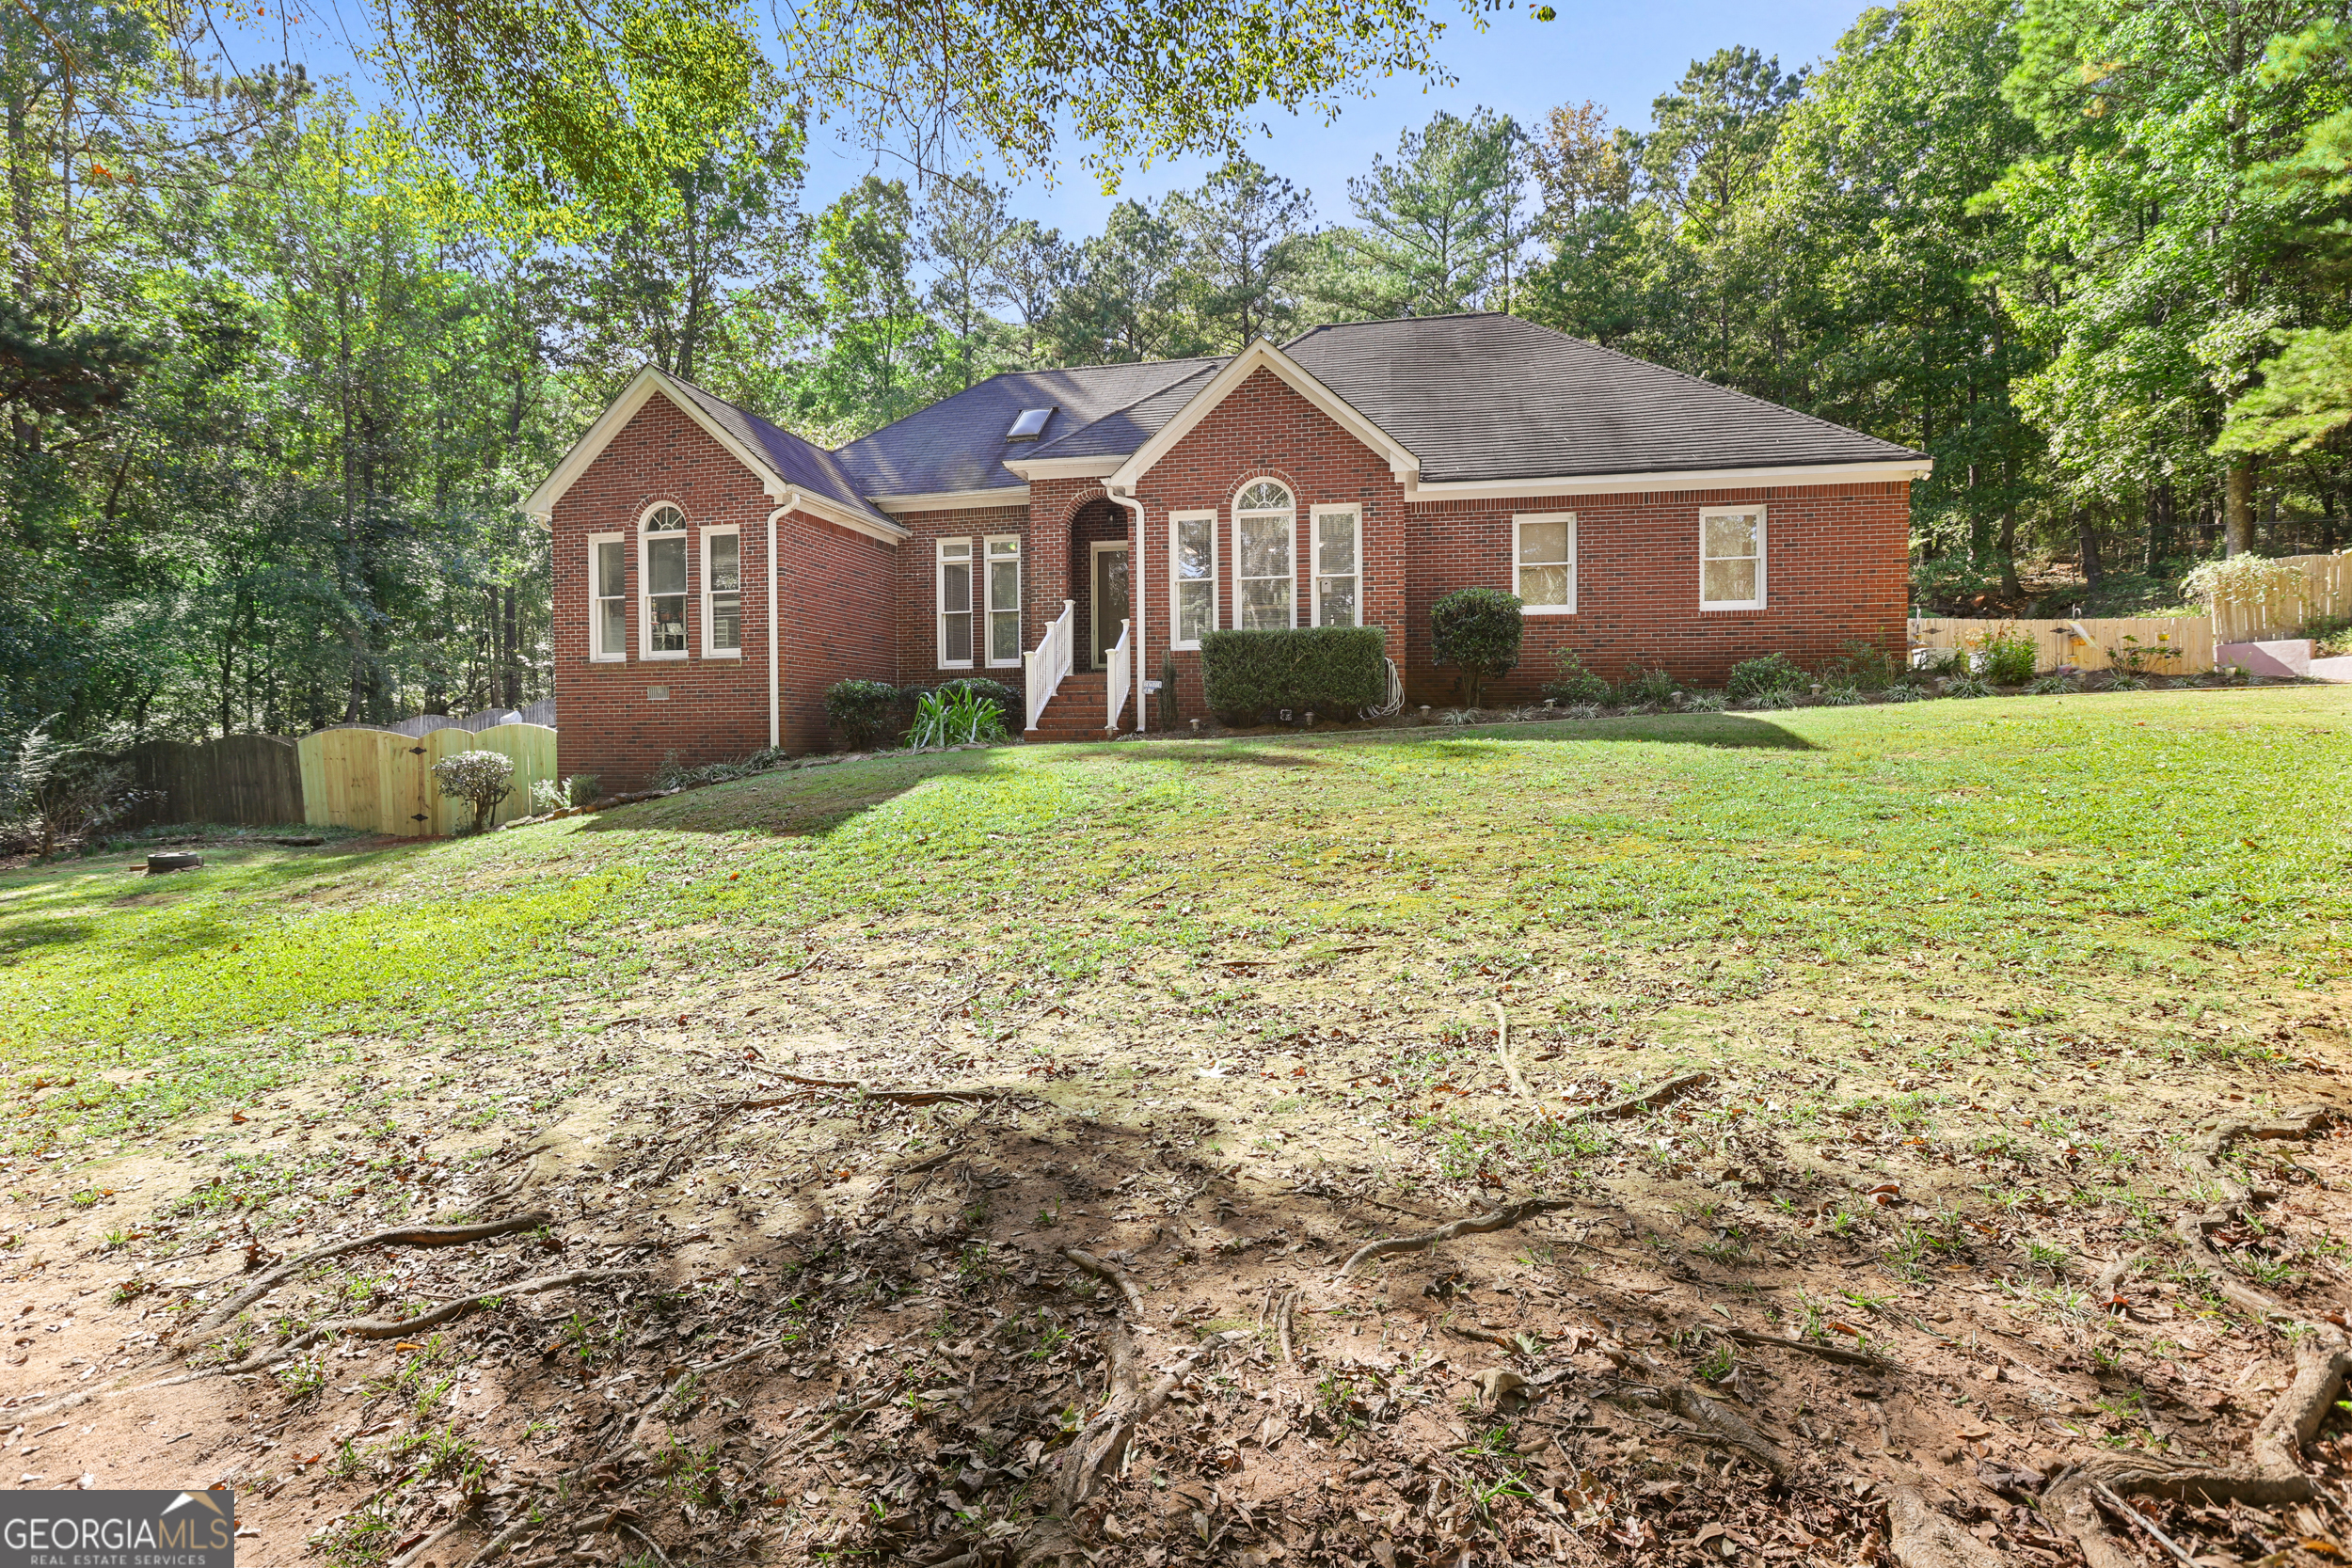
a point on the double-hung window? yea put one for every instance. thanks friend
(662, 545)
(1004, 600)
(1263, 521)
(1543, 546)
(608, 597)
(955, 604)
(722, 594)
(1731, 558)
(1192, 576)
(1339, 565)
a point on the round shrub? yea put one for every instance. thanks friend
(480, 779)
(1478, 632)
(1756, 677)
(861, 710)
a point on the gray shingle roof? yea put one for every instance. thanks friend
(1492, 396)
(959, 444)
(800, 463)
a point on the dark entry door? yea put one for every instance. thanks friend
(1110, 599)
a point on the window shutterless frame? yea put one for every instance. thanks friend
(955, 604)
(722, 593)
(1543, 561)
(661, 549)
(1191, 576)
(1731, 558)
(607, 598)
(1338, 566)
(1003, 566)
(1266, 526)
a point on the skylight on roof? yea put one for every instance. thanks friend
(1030, 425)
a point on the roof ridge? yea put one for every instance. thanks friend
(749, 413)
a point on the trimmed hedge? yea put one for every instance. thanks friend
(1478, 630)
(862, 711)
(1328, 670)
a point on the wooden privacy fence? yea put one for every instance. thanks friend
(2160, 645)
(382, 782)
(2325, 593)
(254, 779)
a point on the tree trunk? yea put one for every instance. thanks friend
(2237, 517)
(2086, 540)
(2011, 588)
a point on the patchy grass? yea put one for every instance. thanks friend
(2146, 843)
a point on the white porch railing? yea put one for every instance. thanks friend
(1044, 666)
(1122, 667)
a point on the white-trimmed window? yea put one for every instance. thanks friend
(1191, 576)
(1543, 551)
(608, 597)
(955, 604)
(1338, 555)
(1264, 520)
(1004, 600)
(661, 566)
(1731, 558)
(722, 594)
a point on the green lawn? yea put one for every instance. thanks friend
(2168, 847)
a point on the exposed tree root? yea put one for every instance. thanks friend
(1673, 1088)
(2131, 1515)
(1712, 1416)
(414, 1235)
(1501, 1219)
(2275, 1474)
(1502, 1049)
(1110, 1274)
(865, 1092)
(1920, 1537)
(1827, 1353)
(391, 1328)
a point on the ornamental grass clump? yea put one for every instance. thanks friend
(955, 718)
(480, 779)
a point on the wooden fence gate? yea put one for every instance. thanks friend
(380, 782)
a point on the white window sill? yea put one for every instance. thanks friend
(1708, 609)
(660, 655)
(722, 653)
(1547, 610)
(951, 664)
(608, 658)
(1004, 664)
(1183, 648)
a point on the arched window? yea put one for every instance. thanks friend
(1262, 527)
(661, 545)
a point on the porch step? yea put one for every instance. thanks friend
(1078, 709)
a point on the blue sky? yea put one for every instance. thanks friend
(1621, 55)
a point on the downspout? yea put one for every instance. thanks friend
(775, 714)
(1142, 600)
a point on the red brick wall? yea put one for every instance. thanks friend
(837, 599)
(1836, 568)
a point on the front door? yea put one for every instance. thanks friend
(1111, 596)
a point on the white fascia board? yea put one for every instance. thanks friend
(831, 511)
(540, 503)
(1680, 480)
(954, 500)
(1034, 469)
(1262, 354)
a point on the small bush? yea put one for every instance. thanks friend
(1755, 677)
(1332, 670)
(1479, 631)
(1865, 667)
(1841, 696)
(1777, 698)
(1906, 693)
(861, 710)
(1941, 661)
(581, 789)
(1967, 686)
(944, 718)
(1005, 697)
(2002, 658)
(1646, 688)
(480, 779)
(546, 796)
(2331, 638)
(1703, 702)
(56, 793)
(2051, 685)
(1572, 683)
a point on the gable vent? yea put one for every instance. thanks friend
(1030, 425)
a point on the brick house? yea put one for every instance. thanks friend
(1072, 532)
